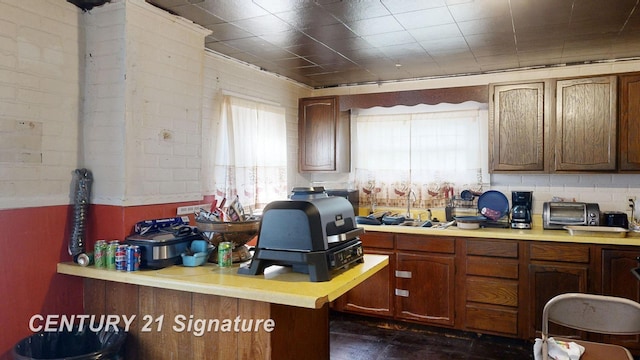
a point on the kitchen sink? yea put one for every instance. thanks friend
(416, 223)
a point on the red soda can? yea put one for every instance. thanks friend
(133, 258)
(121, 257)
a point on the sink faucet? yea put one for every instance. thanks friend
(408, 214)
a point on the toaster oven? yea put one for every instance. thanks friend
(557, 215)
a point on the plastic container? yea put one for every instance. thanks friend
(196, 259)
(200, 246)
(78, 344)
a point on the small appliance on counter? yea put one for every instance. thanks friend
(557, 215)
(162, 246)
(352, 195)
(615, 219)
(312, 233)
(521, 205)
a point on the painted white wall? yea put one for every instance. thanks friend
(40, 96)
(222, 75)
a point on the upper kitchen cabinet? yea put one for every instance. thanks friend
(629, 132)
(518, 129)
(323, 136)
(585, 132)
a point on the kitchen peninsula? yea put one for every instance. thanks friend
(171, 305)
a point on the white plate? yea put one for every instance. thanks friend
(468, 225)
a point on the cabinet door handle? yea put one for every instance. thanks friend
(403, 274)
(403, 293)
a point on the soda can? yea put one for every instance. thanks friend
(133, 258)
(111, 254)
(121, 257)
(100, 254)
(85, 259)
(225, 258)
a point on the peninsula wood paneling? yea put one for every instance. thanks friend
(169, 338)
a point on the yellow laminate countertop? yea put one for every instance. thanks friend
(537, 233)
(279, 285)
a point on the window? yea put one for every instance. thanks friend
(434, 151)
(251, 152)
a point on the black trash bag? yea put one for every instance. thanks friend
(79, 344)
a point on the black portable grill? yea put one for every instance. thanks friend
(315, 236)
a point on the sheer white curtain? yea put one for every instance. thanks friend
(251, 152)
(433, 151)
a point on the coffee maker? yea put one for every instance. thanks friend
(521, 202)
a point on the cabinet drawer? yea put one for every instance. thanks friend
(492, 291)
(492, 318)
(483, 247)
(426, 243)
(377, 240)
(560, 252)
(485, 266)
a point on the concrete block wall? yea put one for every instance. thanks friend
(40, 96)
(102, 115)
(143, 137)
(39, 100)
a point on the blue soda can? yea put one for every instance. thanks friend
(133, 258)
(121, 257)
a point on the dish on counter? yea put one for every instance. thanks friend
(196, 259)
(469, 222)
(604, 231)
(468, 225)
(494, 200)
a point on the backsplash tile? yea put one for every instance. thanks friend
(610, 191)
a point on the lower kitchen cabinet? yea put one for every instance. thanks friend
(425, 279)
(419, 285)
(555, 269)
(491, 272)
(375, 296)
(489, 286)
(425, 285)
(617, 280)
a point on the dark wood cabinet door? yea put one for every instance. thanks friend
(425, 288)
(373, 296)
(548, 280)
(617, 280)
(586, 122)
(323, 135)
(518, 130)
(629, 132)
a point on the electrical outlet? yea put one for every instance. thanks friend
(186, 210)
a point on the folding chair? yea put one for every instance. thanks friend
(592, 313)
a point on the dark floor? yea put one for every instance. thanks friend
(362, 338)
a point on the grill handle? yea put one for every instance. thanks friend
(349, 235)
